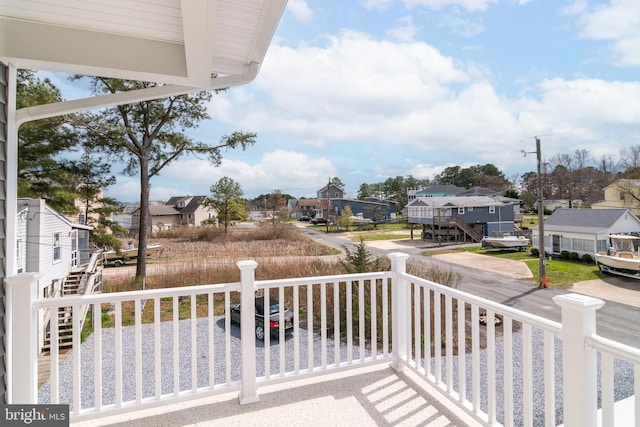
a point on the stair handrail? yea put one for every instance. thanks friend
(467, 229)
(89, 276)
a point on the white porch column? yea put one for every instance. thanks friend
(579, 363)
(11, 183)
(400, 313)
(22, 290)
(249, 392)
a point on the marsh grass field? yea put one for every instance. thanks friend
(206, 256)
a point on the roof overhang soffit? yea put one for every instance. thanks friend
(68, 107)
(185, 67)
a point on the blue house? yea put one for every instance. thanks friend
(374, 209)
(462, 219)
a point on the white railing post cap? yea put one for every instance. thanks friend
(578, 301)
(246, 264)
(398, 255)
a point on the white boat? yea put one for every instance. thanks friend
(623, 256)
(130, 253)
(506, 242)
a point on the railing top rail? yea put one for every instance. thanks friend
(620, 350)
(322, 279)
(522, 316)
(135, 295)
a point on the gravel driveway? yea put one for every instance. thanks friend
(167, 381)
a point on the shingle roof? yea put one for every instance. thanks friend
(162, 210)
(584, 220)
(436, 189)
(477, 191)
(193, 204)
(470, 201)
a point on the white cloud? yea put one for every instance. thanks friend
(470, 5)
(355, 92)
(300, 10)
(379, 5)
(405, 31)
(292, 172)
(617, 23)
(354, 87)
(465, 27)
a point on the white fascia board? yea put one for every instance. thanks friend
(42, 46)
(67, 107)
(265, 29)
(197, 23)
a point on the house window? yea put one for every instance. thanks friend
(492, 209)
(460, 211)
(19, 257)
(622, 195)
(470, 208)
(57, 249)
(578, 244)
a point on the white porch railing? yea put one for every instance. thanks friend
(526, 371)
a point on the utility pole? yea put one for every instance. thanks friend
(544, 280)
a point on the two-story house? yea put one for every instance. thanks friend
(58, 250)
(330, 203)
(324, 197)
(622, 194)
(181, 211)
(305, 208)
(47, 242)
(460, 218)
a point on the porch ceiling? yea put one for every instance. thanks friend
(180, 42)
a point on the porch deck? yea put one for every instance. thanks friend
(396, 362)
(374, 395)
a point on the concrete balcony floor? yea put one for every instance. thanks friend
(369, 396)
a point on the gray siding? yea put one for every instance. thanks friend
(4, 73)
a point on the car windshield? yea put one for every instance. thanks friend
(275, 308)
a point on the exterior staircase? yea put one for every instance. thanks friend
(65, 330)
(80, 282)
(468, 229)
(74, 283)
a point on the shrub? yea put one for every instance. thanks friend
(587, 258)
(564, 255)
(535, 252)
(573, 256)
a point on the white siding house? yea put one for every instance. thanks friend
(48, 243)
(584, 231)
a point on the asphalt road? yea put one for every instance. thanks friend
(615, 320)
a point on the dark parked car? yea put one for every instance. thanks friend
(304, 219)
(319, 221)
(274, 317)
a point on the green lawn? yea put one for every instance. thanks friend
(381, 235)
(560, 272)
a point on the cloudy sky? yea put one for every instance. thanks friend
(371, 89)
